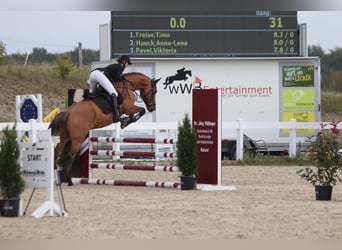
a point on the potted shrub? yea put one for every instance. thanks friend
(12, 183)
(326, 160)
(187, 158)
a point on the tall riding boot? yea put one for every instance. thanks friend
(116, 116)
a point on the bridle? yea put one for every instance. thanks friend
(153, 91)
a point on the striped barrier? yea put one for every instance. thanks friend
(131, 153)
(134, 167)
(126, 183)
(116, 166)
(134, 140)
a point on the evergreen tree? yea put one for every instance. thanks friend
(187, 158)
(2, 52)
(11, 181)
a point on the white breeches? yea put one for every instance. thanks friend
(97, 76)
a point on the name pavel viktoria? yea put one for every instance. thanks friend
(157, 50)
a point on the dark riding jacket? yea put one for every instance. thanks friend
(113, 71)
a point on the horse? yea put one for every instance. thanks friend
(74, 124)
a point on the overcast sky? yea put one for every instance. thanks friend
(60, 31)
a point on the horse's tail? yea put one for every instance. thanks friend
(59, 122)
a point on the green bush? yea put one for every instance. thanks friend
(11, 181)
(2, 52)
(63, 65)
(187, 158)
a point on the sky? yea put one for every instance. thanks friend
(60, 31)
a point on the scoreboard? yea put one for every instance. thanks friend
(159, 34)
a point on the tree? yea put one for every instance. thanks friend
(89, 56)
(334, 60)
(63, 65)
(40, 55)
(187, 158)
(11, 181)
(2, 52)
(316, 50)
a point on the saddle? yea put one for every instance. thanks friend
(102, 99)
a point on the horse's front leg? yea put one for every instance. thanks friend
(132, 118)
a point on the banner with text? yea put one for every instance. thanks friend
(206, 117)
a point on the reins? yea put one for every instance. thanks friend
(126, 87)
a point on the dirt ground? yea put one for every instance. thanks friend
(268, 203)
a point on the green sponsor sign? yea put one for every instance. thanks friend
(298, 99)
(298, 76)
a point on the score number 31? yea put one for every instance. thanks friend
(275, 23)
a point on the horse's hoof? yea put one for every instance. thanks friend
(69, 182)
(124, 123)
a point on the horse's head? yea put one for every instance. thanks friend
(149, 96)
(147, 87)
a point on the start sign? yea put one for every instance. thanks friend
(36, 163)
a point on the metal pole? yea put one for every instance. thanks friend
(29, 201)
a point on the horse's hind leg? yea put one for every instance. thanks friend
(75, 147)
(69, 160)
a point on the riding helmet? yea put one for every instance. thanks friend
(124, 58)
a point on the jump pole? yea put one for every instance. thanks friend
(134, 167)
(132, 153)
(160, 184)
(134, 140)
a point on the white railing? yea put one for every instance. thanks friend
(238, 125)
(32, 127)
(292, 125)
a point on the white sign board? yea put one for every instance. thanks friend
(36, 163)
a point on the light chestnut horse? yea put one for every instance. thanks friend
(75, 123)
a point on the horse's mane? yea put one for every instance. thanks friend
(135, 73)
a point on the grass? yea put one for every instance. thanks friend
(45, 77)
(41, 72)
(331, 102)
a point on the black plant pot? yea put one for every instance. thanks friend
(9, 207)
(188, 182)
(323, 193)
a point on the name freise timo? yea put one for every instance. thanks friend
(156, 42)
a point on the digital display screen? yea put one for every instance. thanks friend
(204, 34)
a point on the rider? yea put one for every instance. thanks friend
(104, 76)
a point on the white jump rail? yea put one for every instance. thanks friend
(155, 126)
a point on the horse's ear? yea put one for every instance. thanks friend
(156, 80)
